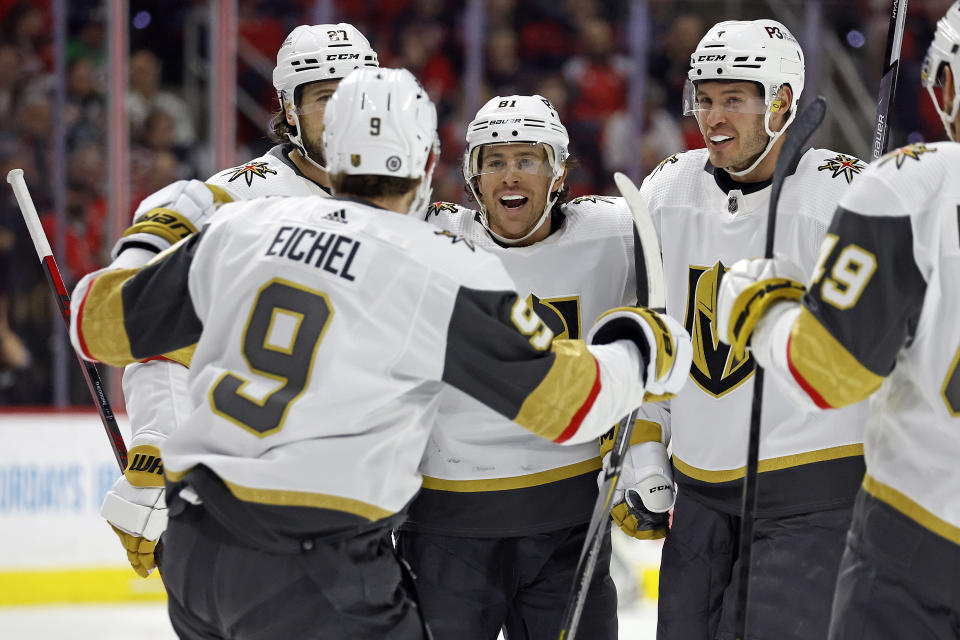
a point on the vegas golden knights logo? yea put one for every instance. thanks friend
(561, 315)
(714, 369)
(355, 159)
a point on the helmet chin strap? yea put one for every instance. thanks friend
(773, 136)
(485, 221)
(946, 118)
(297, 140)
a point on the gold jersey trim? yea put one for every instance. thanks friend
(100, 319)
(770, 464)
(515, 482)
(829, 373)
(911, 509)
(285, 498)
(552, 406)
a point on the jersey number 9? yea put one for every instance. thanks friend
(280, 341)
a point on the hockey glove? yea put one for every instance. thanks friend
(663, 343)
(136, 508)
(747, 290)
(171, 214)
(645, 493)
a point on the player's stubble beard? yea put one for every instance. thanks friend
(754, 142)
(313, 145)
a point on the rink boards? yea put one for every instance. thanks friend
(54, 471)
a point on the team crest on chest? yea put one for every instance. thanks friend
(715, 369)
(912, 151)
(843, 165)
(249, 170)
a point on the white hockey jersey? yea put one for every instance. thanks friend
(154, 391)
(706, 222)
(483, 474)
(880, 318)
(326, 330)
(272, 174)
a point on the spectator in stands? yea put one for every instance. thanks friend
(147, 95)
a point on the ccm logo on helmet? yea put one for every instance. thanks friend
(343, 56)
(711, 58)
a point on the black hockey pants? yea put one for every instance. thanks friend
(794, 570)
(219, 587)
(470, 588)
(897, 579)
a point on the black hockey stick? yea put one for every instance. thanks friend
(797, 136)
(888, 82)
(650, 288)
(94, 384)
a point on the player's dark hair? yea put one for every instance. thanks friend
(279, 127)
(370, 186)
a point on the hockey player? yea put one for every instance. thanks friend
(310, 64)
(495, 534)
(709, 207)
(879, 319)
(324, 330)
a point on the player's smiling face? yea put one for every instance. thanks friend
(513, 184)
(731, 121)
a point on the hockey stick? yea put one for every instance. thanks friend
(799, 133)
(94, 384)
(888, 82)
(650, 288)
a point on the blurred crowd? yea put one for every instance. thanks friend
(574, 52)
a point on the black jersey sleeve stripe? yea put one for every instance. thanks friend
(545, 388)
(158, 312)
(876, 325)
(127, 315)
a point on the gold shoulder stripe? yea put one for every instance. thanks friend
(100, 319)
(830, 374)
(516, 482)
(911, 509)
(769, 464)
(554, 409)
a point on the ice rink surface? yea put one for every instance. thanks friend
(149, 622)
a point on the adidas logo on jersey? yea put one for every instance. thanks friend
(337, 216)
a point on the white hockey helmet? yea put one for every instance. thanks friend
(761, 51)
(944, 50)
(382, 122)
(510, 120)
(312, 53)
